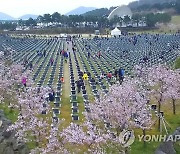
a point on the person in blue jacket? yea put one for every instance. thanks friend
(121, 75)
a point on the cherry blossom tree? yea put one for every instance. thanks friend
(123, 107)
(173, 87)
(53, 145)
(31, 102)
(10, 81)
(32, 126)
(85, 134)
(163, 84)
(30, 106)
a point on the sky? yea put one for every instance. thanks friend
(17, 8)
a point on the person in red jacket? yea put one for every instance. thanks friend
(109, 75)
(62, 79)
(99, 54)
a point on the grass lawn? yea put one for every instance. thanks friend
(177, 147)
(177, 63)
(174, 26)
(11, 114)
(172, 120)
(175, 20)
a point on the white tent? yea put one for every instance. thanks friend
(116, 31)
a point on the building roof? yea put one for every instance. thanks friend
(120, 11)
(116, 31)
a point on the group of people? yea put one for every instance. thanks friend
(41, 54)
(98, 54)
(118, 74)
(83, 76)
(64, 54)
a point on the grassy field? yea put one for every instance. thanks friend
(177, 63)
(171, 27)
(172, 120)
(175, 20)
(9, 113)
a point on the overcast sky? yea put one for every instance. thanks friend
(17, 8)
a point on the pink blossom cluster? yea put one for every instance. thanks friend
(123, 107)
(30, 105)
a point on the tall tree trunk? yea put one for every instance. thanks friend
(174, 106)
(144, 134)
(126, 150)
(159, 110)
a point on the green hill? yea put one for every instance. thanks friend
(98, 12)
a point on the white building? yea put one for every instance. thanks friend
(115, 32)
(120, 11)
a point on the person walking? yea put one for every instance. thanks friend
(89, 74)
(79, 84)
(109, 75)
(89, 55)
(24, 81)
(62, 79)
(121, 75)
(30, 66)
(62, 52)
(51, 61)
(80, 73)
(99, 54)
(52, 95)
(66, 56)
(115, 73)
(102, 76)
(85, 76)
(44, 53)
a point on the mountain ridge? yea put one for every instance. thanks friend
(27, 16)
(80, 10)
(4, 16)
